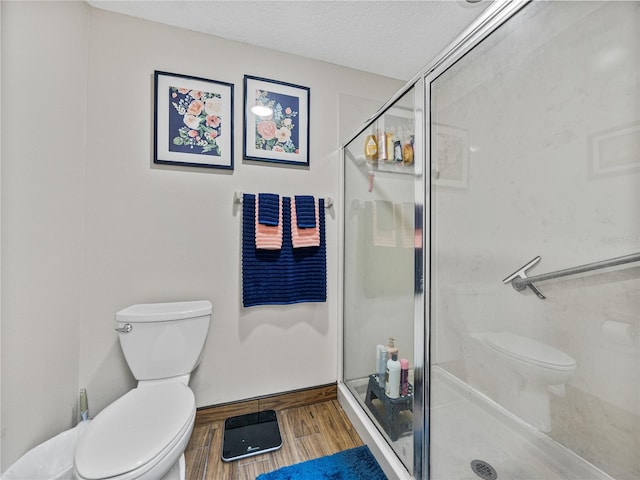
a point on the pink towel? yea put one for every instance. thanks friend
(304, 237)
(269, 237)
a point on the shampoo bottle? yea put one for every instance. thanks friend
(407, 152)
(371, 148)
(381, 368)
(390, 139)
(391, 348)
(404, 377)
(382, 147)
(392, 388)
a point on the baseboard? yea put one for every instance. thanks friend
(277, 401)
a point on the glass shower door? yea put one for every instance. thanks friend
(381, 179)
(535, 152)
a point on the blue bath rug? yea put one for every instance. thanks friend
(354, 464)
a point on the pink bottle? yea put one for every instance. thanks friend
(404, 377)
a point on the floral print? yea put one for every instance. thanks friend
(266, 129)
(277, 132)
(194, 121)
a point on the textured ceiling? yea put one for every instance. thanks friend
(394, 38)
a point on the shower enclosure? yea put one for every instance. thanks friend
(383, 280)
(518, 300)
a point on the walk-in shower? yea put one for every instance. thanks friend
(504, 258)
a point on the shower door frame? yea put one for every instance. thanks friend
(493, 17)
(384, 453)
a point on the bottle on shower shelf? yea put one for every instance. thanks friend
(371, 148)
(407, 151)
(392, 387)
(404, 377)
(397, 151)
(391, 348)
(390, 139)
(381, 366)
(383, 153)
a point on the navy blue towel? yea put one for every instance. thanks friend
(305, 211)
(285, 276)
(268, 209)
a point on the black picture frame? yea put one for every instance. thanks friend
(193, 121)
(281, 136)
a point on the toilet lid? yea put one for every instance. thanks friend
(529, 350)
(134, 429)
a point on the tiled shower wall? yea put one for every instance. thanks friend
(547, 109)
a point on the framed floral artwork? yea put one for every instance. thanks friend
(193, 121)
(276, 121)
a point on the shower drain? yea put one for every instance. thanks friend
(483, 470)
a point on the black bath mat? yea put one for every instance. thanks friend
(250, 434)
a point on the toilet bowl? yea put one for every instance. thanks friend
(529, 368)
(143, 434)
(515, 371)
(132, 436)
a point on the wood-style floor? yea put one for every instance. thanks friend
(310, 426)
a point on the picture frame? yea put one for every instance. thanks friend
(451, 166)
(615, 151)
(281, 134)
(193, 121)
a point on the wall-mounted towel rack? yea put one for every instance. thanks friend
(237, 198)
(520, 281)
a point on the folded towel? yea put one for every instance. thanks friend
(268, 237)
(268, 213)
(386, 269)
(384, 224)
(305, 211)
(385, 212)
(285, 276)
(304, 237)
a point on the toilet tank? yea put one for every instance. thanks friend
(163, 340)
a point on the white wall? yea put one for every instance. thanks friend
(44, 60)
(88, 233)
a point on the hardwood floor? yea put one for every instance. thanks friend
(312, 425)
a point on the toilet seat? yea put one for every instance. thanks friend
(529, 351)
(136, 431)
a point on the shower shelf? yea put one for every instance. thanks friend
(519, 280)
(389, 417)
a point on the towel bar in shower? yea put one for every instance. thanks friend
(237, 198)
(520, 281)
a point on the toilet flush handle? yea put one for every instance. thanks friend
(126, 329)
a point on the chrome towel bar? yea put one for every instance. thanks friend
(237, 198)
(520, 281)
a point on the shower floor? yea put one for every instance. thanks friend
(467, 426)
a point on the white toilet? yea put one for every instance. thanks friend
(518, 372)
(143, 434)
(528, 369)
